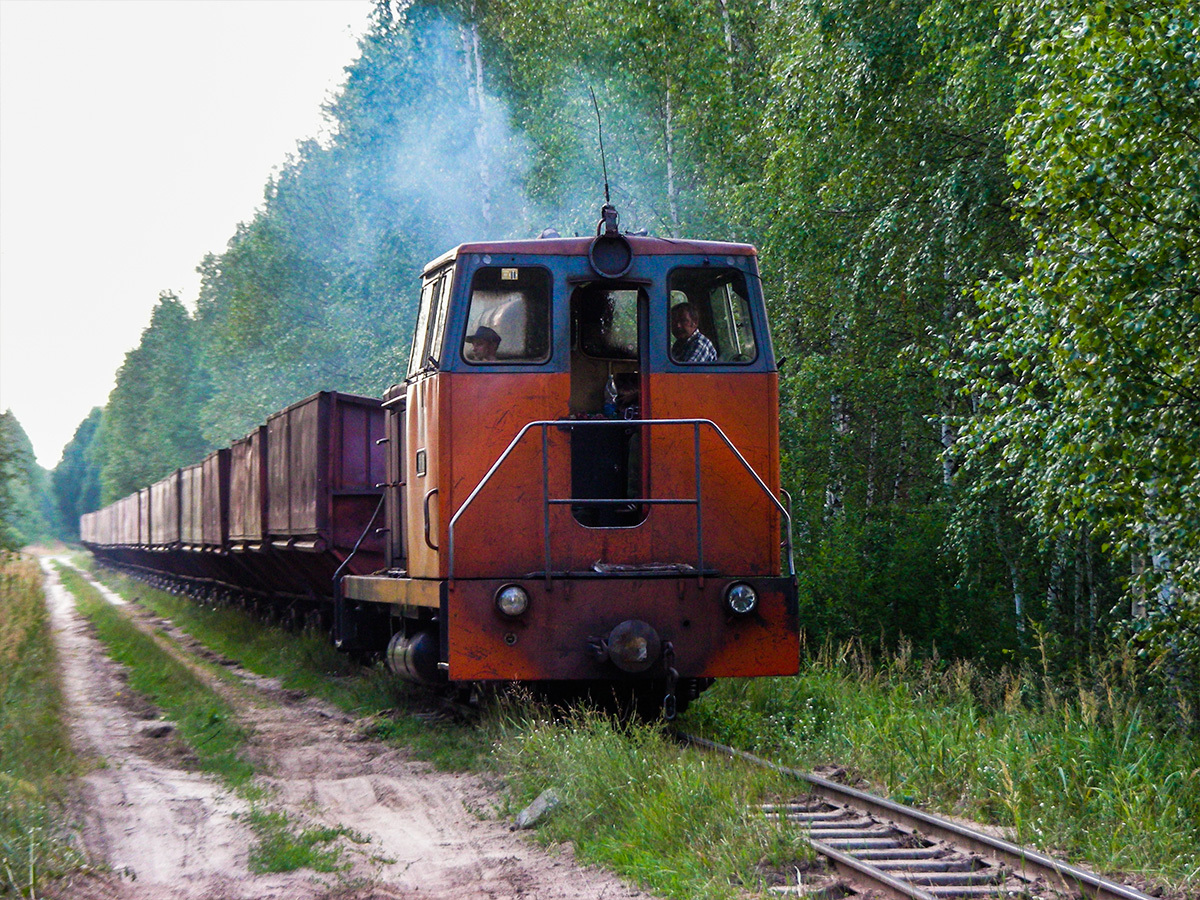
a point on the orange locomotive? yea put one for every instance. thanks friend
(585, 472)
(577, 484)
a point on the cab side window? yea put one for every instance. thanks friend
(508, 320)
(431, 323)
(709, 317)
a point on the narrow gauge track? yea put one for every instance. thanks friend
(903, 852)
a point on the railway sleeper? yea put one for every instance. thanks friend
(874, 830)
(978, 890)
(871, 843)
(935, 864)
(904, 853)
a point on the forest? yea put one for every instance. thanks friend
(979, 228)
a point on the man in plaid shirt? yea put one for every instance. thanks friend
(690, 346)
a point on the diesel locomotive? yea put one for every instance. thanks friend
(576, 484)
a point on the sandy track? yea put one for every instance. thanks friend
(169, 833)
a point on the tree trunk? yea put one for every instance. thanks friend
(672, 193)
(1014, 575)
(727, 25)
(478, 103)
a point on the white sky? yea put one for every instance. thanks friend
(134, 136)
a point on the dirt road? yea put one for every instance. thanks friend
(164, 832)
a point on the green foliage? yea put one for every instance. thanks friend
(27, 509)
(683, 825)
(884, 198)
(1082, 367)
(76, 478)
(150, 422)
(318, 291)
(36, 762)
(1079, 767)
(968, 463)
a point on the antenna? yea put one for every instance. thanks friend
(600, 131)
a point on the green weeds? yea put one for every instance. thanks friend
(684, 825)
(36, 763)
(283, 848)
(1079, 769)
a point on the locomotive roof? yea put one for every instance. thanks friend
(578, 246)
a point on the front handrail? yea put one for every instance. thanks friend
(544, 424)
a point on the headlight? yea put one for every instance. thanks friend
(741, 598)
(512, 600)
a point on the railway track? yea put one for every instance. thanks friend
(900, 852)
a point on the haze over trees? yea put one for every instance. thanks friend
(980, 233)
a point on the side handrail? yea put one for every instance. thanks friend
(547, 423)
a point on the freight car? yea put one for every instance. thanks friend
(577, 483)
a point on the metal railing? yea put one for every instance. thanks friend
(548, 501)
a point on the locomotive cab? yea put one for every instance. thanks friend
(583, 473)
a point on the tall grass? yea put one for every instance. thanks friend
(681, 824)
(1078, 768)
(36, 763)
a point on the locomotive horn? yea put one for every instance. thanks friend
(610, 254)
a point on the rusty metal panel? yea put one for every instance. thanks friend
(278, 481)
(215, 501)
(144, 517)
(119, 523)
(248, 487)
(359, 460)
(164, 511)
(143, 504)
(132, 511)
(553, 640)
(123, 529)
(131, 519)
(357, 472)
(191, 504)
(324, 470)
(308, 428)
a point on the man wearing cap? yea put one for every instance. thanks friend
(484, 344)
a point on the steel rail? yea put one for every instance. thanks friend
(1023, 860)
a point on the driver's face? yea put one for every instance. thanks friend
(483, 350)
(682, 325)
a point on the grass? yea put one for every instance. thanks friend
(681, 824)
(36, 763)
(282, 847)
(205, 721)
(1078, 769)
